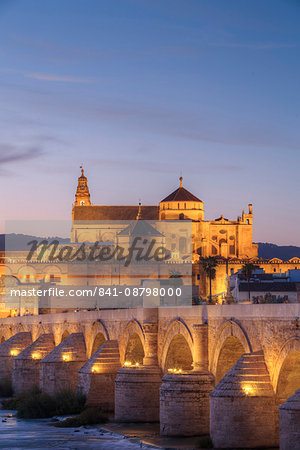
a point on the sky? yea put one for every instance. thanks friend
(142, 91)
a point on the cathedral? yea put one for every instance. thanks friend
(220, 237)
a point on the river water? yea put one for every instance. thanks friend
(39, 434)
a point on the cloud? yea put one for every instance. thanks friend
(57, 78)
(151, 166)
(257, 45)
(49, 51)
(10, 154)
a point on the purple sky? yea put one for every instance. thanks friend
(142, 91)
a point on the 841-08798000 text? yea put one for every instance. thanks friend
(98, 291)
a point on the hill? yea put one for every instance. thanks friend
(20, 241)
(284, 252)
(265, 249)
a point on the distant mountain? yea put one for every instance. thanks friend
(20, 241)
(265, 249)
(284, 252)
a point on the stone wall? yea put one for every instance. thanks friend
(59, 369)
(26, 366)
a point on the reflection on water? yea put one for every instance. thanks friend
(39, 434)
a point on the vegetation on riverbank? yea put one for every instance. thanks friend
(5, 388)
(35, 404)
(89, 416)
(204, 442)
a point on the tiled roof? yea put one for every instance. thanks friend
(140, 228)
(114, 212)
(181, 195)
(276, 286)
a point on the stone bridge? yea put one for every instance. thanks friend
(224, 367)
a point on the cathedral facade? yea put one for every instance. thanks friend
(219, 237)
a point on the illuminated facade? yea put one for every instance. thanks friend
(219, 237)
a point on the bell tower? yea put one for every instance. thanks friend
(82, 196)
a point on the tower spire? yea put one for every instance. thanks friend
(82, 196)
(180, 179)
(139, 214)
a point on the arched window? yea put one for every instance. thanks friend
(181, 216)
(214, 250)
(182, 244)
(163, 216)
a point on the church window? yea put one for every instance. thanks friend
(247, 221)
(185, 206)
(231, 238)
(213, 250)
(181, 216)
(214, 238)
(163, 216)
(82, 203)
(222, 231)
(232, 249)
(182, 244)
(178, 206)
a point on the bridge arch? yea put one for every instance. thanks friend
(64, 335)
(286, 375)
(5, 333)
(132, 346)
(38, 330)
(178, 346)
(96, 337)
(231, 342)
(18, 328)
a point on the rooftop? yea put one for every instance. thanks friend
(181, 195)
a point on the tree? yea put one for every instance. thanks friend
(247, 271)
(209, 265)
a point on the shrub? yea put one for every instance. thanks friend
(69, 402)
(6, 388)
(204, 442)
(38, 406)
(89, 416)
(35, 404)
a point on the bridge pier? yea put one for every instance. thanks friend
(9, 349)
(26, 365)
(184, 397)
(242, 406)
(96, 378)
(289, 423)
(137, 388)
(59, 369)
